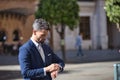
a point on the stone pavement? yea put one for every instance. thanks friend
(94, 65)
(89, 71)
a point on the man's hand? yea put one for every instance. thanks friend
(52, 68)
(54, 74)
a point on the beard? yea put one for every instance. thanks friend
(41, 41)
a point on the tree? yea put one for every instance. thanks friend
(62, 12)
(112, 8)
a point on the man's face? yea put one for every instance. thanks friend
(41, 35)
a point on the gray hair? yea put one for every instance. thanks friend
(40, 24)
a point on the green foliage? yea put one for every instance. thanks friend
(112, 8)
(59, 12)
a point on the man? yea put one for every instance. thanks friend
(78, 44)
(37, 60)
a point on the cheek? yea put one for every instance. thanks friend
(38, 37)
(41, 38)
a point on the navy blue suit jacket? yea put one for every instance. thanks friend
(31, 63)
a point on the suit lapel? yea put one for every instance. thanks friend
(36, 53)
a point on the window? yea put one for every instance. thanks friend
(15, 35)
(2, 36)
(84, 27)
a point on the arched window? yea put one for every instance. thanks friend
(16, 35)
(3, 36)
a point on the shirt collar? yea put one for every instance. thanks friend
(36, 44)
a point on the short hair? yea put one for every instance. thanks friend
(40, 24)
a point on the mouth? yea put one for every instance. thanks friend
(42, 41)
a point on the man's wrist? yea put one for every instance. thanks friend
(46, 69)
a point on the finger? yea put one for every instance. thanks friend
(53, 75)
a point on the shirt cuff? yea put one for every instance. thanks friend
(60, 68)
(44, 71)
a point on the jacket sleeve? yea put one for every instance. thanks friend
(56, 59)
(25, 65)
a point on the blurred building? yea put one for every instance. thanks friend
(98, 32)
(16, 17)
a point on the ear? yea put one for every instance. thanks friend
(34, 32)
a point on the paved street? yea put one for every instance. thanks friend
(94, 65)
(88, 71)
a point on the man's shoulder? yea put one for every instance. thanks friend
(26, 45)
